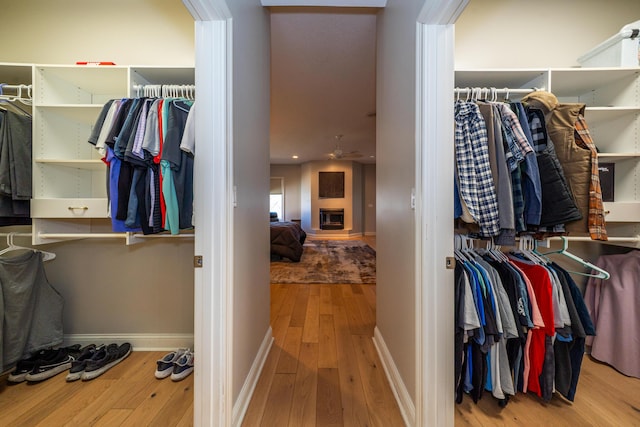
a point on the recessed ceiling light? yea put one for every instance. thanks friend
(373, 157)
(294, 157)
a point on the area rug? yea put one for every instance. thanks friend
(328, 261)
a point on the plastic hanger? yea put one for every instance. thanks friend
(601, 274)
(526, 250)
(46, 256)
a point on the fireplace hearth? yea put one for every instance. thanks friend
(331, 219)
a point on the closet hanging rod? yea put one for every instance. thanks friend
(5, 86)
(496, 90)
(635, 239)
(16, 234)
(141, 87)
(109, 235)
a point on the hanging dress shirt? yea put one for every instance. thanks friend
(474, 171)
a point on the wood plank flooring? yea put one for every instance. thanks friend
(126, 395)
(323, 369)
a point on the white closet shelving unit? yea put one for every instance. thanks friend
(612, 99)
(69, 178)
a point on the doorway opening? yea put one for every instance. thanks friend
(323, 83)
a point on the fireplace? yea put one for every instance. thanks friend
(331, 219)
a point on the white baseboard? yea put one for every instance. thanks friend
(369, 233)
(407, 407)
(244, 397)
(139, 342)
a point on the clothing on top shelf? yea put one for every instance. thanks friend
(520, 326)
(614, 305)
(520, 168)
(150, 175)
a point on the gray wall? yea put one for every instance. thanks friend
(395, 177)
(369, 199)
(251, 177)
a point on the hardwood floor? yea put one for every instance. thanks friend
(126, 395)
(323, 369)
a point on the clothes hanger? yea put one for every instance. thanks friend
(458, 248)
(46, 256)
(601, 274)
(525, 248)
(495, 251)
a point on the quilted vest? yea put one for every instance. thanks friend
(560, 120)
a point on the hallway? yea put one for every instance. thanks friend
(323, 368)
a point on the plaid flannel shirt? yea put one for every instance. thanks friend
(474, 171)
(596, 208)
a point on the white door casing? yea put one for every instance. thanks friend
(434, 207)
(213, 210)
(213, 201)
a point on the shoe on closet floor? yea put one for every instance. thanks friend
(183, 366)
(24, 366)
(165, 365)
(59, 361)
(105, 359)
(78, 365)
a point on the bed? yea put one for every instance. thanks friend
(287, 239)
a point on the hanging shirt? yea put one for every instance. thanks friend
(531, 186)
(596, 207)
(474, 171)
(541, 351)
(613, 306)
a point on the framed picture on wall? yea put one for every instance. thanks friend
(331, 185)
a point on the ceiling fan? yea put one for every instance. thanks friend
(338, 153)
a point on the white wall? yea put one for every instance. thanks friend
(542, 33)
(251, 177)
(292, 177)
(395, 171)
(109, 287)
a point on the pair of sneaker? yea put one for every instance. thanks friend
(177, 364)
(94, 360)
(44, 364)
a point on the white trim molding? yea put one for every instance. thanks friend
(213, 280)
(434, 400)
(139, 342)
(407, 408)
(244, 397)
